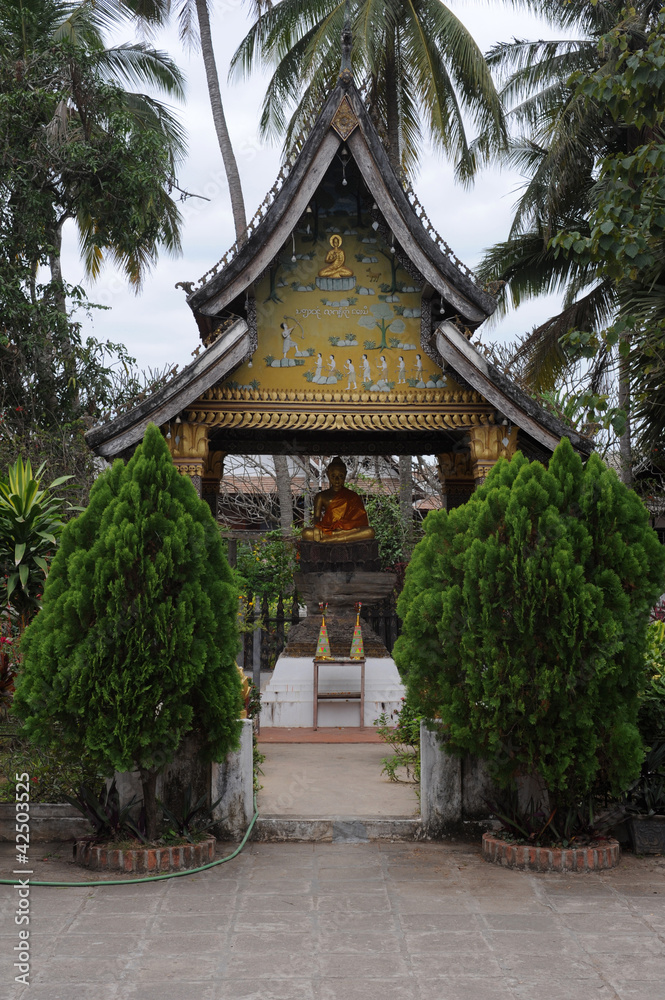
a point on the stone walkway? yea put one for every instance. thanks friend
(317, 780)
(427, 921)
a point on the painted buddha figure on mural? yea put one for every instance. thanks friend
(335, 261)
(339, 513)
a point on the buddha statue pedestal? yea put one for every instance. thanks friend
(338, 575)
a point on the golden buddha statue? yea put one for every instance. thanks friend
(335, 266)
(339, 513)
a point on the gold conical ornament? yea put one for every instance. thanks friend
(357, 648)
(323, 645)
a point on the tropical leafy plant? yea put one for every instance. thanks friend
(266, 566)
(193, 819)
(577, 824)
(401, 732)
(6, 677)
(651, 718)
(109, 820)
(56, 769)
(31, 520)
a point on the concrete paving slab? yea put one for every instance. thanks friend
(449, 927)
(330, 780)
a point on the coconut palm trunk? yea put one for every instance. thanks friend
(625, 444)
(283, 481)
(219, 118)
(406, 503)
(392, 104)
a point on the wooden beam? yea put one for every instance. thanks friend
(127, 429)
(503, 394)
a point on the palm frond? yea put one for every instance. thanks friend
(140, 65)
(544, 357)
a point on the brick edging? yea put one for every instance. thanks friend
(144, 859)
(551, 859)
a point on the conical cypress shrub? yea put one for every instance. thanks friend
(525, 615)
(137, 637)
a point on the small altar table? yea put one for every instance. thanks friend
(339, 661)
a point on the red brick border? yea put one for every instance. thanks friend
(145, 860)
(605, 854)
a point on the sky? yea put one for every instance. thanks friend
(156, 325)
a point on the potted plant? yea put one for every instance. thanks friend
(525, 617)
(646, 805)
(135, 645)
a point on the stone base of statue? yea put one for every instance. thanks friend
(342, 589)
(288, 699)
(326, 557)
(336, 284)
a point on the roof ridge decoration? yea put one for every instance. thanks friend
(345, 72)
(345, 119)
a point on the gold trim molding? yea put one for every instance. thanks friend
(321, 420)
(188, 469)
(284, 409)
(468, 397)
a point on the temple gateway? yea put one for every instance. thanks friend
(340, 325)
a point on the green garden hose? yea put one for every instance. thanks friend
(148, 878)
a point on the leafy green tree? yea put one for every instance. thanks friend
(266, 566)
(525, 614)
(421, 70)
(136, 642)
(557, 138)
(31, 519)
(77, 142)
(77, 145)
(74, 145)
(625, 240)
(384, 514)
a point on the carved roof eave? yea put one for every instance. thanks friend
(127, 430)
(471, 302)
(501, 392)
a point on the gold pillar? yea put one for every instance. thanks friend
(486, 445)
(456, 477)
(188, 444)
(212, 477)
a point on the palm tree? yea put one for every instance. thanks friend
(76, 145)
(81, 81)
(193, 15)
(558, 139)
(414, 61)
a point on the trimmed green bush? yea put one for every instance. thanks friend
(525, 615)
(651, 717)
(137, 638)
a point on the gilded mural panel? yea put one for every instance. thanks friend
(336, 309)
